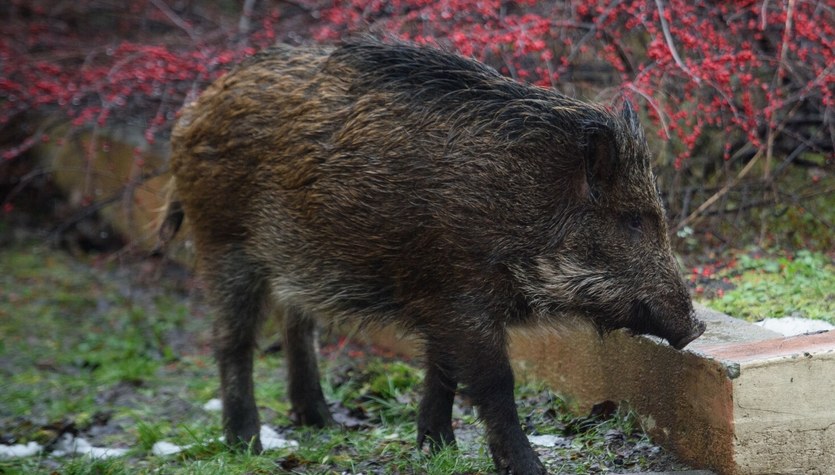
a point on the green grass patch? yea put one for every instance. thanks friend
(88, 350)
(800, 284)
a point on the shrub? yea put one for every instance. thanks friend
(727, 85)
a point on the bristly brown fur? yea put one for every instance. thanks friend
(389, 183)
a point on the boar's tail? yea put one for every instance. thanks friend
(173, 218)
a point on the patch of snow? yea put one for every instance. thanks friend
(548, 440)
(213, 405)
(791, 326)
(162, 448)
(271, 440)
(68, 445)
(19, 450)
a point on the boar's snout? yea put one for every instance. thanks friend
(696, 330)
(678, 328)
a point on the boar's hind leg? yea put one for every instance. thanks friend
(305, 392)
(435, 416)
(238, 292)
(487, 378)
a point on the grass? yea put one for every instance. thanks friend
(97, 347)
(756, 285)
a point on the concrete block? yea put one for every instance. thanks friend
(783, 403)
(741, 400)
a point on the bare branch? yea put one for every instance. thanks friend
(172, 15)
(777, 76)
(244, 23)
(668, 37)
(654, 105)
(719, 194)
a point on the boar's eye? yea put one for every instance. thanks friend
(635, 222)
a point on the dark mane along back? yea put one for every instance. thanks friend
(445, 83)
(432, 72)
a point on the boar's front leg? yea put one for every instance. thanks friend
(305, 391)
(435, 414)
(238, 293)
(484, 371)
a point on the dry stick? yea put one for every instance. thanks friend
(246, 14)
(777, 74)
(245, 23)
(763, 16)
(710, 201)
(772, 133)
(668, 37)
(172, 15)
(801, 94)
(510, 68)
(654, 105)
(576, 47)
(796, 199)
(713, 199)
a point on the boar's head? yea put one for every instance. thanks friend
(613, 263)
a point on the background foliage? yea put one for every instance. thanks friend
(739, 93)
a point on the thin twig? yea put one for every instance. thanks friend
(773, 131)
(244, 23)
(713, 199)
(592, 29)
(769, 154)
(797, 200)
(668, 37)
(654, 105)
(764, 15)
(175, 19)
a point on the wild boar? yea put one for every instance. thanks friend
(388, 183)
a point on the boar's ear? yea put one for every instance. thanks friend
(631, 118)
(601, 157)
(636, 132)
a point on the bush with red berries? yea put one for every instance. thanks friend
(726, 85)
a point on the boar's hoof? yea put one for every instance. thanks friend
(523, 464)
(251, 445)
(437, 439)
(526, 467)
(684, 341)
(312, 415)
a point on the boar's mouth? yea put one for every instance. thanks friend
(697, 331)
(678, 330)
